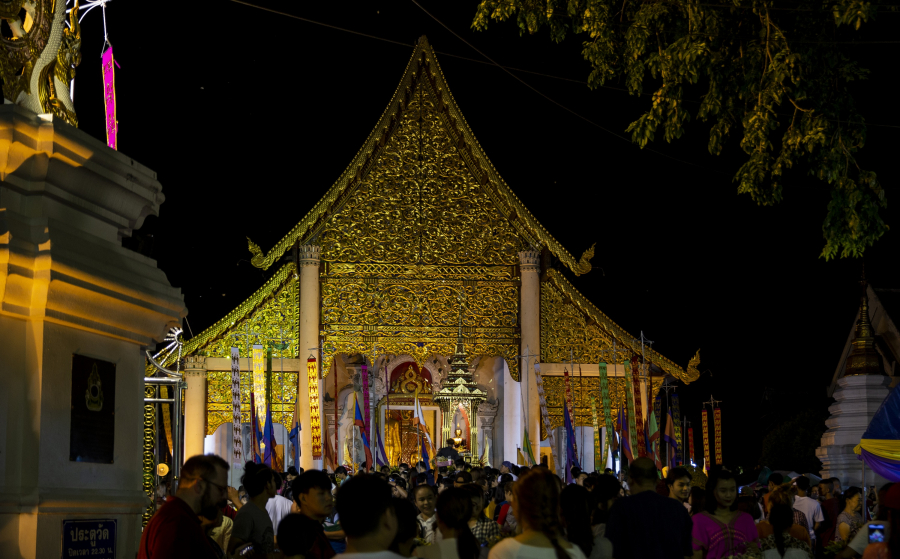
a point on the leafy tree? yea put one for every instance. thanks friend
(792, 444)
(774, 70)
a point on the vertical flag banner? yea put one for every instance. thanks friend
(109, 98)
(607, 410)
(689, 455)
(237, 437)
(258, 409)
(629, 411)
(671, 439)
(545, 415)
(365, 387)
(680, 457)
(660, 425)
(639, 442)
(653, 440)
(625, 427)
(419, 420)
(569, 409)
(705, 428)
(717, 419)
(599, 451)
(358, 421)
(312, 375)
(571, 449)
(294, 435)
(255, 434)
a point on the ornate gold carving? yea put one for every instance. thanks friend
(148, 461)
(582, 389)
(272, 313)
(370, 269)
(572, 328)
(424, 153)
(63, 71)
(218, 404)
(693, 373)
(30, 22)
(410, 383)
(584, 264)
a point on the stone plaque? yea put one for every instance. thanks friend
(92, 430)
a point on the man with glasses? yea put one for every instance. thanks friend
(175, 530)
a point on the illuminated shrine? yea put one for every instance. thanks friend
(452, 305)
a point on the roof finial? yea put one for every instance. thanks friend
(864, 358)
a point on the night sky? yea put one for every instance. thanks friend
(248, 117)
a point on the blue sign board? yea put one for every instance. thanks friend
(89, 538)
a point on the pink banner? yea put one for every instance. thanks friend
(109, 98)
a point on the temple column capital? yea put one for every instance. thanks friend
(530, 261)
(309, 255)
(194, 405)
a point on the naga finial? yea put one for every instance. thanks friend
(584, 264)
(693, 372)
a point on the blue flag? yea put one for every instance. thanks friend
(294, 435)
(358, 421)
(571, 455)
(269, 438)
(255, 434)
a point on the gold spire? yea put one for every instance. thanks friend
(863, 358)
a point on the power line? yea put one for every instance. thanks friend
(505, 68)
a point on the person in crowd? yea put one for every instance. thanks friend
(697, 500)
(811, 508)
(591, 482)
(536, 506)
(297, 535)
(849, 521)
(340, 475)
(506, 468)
(507, 521)
(575, 513)
(857, 546)
(175, 531)
(679, 485)
(779, 536)
(889, 508)
(425, 502)
(462, 478)
(367, 515)
(647, 525)
(313, 499)
(407, 527)
(398, 487)
(831, 508)
(286, 488)
(486, 531)
(445, 483)
(604, 496)
(576, 473)
(208, 528)
(449, 451)
(502, 496)
(278, 507)
(775, 480)
(721, 530)
(836, 482)
(453, 513)
(252, 525)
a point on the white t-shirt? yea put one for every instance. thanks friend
(511, 549)
(278, 507)
(813, 511)
(375, 555)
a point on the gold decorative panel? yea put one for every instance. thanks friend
(218, 403)
(419, 202)
(582, 389)
(268, 316)
(573, 329)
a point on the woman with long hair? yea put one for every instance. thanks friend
(252, 524)
(453, 511)
(849, 521)
(536, 507)
(575, 512)
(780, 535)
(486, 531)
(721, 530)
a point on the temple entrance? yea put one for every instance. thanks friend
(402, 442)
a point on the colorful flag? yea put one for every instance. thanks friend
(717, 419)
(638, 409)
(571, 450)
(294, 435)
(689, 455)
(255, 434)
(629, 410)
(545, 415)
(419, 420)
(365, 387)
(607, 411)
(653, 440)
(237, 435)
(625, 425)
(569, 406)
(670, 439)
(705, 440)
(362, 432)
(529, 453)
(680, 456)
(599, 451)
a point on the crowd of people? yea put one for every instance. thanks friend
(465, 512)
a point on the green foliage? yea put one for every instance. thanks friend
(774, 70)
(792, 444)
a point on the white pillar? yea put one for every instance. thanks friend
(194, 405)
(309, 338)
(512, 416)
(529, 314)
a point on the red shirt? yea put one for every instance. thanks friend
(174, 532)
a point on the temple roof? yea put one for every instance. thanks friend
(423, 63)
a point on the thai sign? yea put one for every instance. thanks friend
(89, 538)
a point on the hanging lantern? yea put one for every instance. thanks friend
(312, 371)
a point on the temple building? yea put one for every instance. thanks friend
(419, 275)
